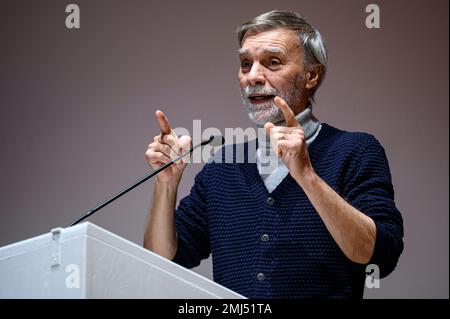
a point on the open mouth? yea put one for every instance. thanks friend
(258, 99)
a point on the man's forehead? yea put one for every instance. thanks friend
(277, 41)
(268, 49)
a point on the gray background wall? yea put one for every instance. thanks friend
(77, 108)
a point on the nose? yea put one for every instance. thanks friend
(256, 75)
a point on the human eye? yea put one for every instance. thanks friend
(246, 65)
(274, 63)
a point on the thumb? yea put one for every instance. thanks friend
(185, 144)
(268, 127)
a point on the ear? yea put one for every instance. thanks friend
(313, 77)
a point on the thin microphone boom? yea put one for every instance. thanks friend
(214, 140)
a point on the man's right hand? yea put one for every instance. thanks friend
(166, 147)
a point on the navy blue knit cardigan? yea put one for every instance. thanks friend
(276, 245)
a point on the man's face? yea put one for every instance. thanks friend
(270, 65)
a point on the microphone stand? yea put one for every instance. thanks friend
(129, 188)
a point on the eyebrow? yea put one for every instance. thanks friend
(272, 50)
(242, 51)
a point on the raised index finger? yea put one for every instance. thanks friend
(163, 123)
(289, 116)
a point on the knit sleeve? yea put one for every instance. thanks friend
(192, 226)
(368, 187)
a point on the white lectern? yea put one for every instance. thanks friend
(86, 261)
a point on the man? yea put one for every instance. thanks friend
(307, 228)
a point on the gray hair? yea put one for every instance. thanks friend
(311, 42)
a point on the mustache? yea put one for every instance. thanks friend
(258, 89)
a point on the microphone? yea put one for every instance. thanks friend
(213, 141)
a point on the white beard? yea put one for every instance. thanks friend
(269, 111)
(262, 113)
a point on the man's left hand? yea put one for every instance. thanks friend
(289, 142)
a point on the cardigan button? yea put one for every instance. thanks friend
(270, 201)
(260, 276)
(264, 237)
